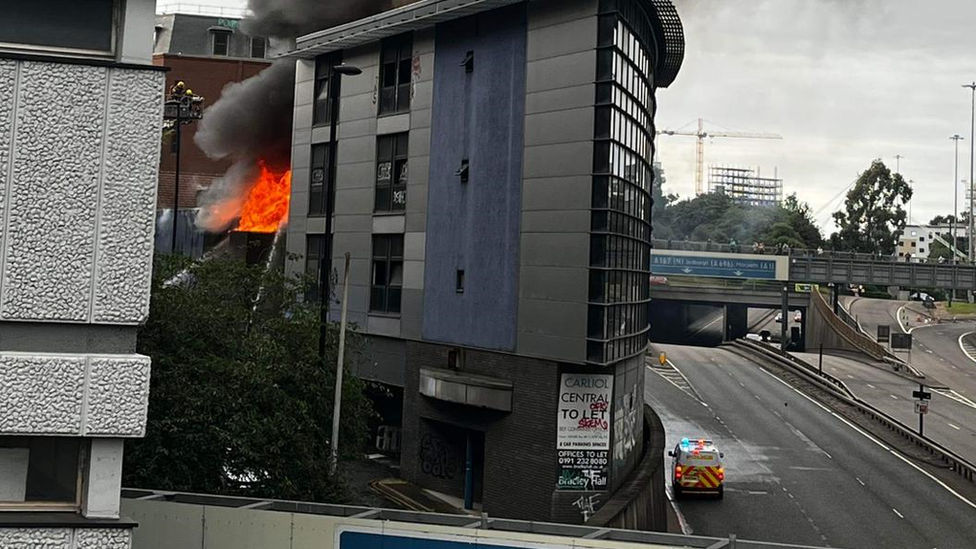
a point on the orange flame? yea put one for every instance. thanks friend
(266, 207)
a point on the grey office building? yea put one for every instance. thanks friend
(492, 182)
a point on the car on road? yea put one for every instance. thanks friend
(697, 466)
(659, 281)
(798, 316)
(921, 296)
(779, 317)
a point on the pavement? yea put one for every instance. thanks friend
(798, 472)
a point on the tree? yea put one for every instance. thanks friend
(873, 218)
(800, 218)
(240, 402)
(717, 218)
(661, 200)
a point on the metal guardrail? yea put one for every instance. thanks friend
(483, 522)
(839, 389)
(697, 246)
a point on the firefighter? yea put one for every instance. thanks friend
(178, 89)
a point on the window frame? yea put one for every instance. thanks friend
(388, 260)
(312, 290)
(403, 45)
(213, 42)
(399, 165)
(84, 448)
(319, 207)
(111, 53)
(264, 47)
(323, 77)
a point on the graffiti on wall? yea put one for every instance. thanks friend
(587, 506)
(437, 457)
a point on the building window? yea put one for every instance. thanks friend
(322, 109)
(387, 282)
(319, 181)
(259, 47)
(87, 26)
(40, 472)
(314, 253)
(220, 43)
(397, 64)
(391, 173)
(619, 283)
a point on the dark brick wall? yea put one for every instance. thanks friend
(520, 447)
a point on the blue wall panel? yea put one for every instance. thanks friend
(474, 226)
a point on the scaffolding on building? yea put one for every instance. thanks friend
(745, 186)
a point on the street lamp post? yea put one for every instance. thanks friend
(325, 264)
(181, 107)
(955, 200)
(972, 159)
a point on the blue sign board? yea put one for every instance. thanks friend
(389, 540)
(712, 266)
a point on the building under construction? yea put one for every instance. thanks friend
(745, 186)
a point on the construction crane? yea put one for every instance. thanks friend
(701, 134)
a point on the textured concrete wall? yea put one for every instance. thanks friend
(79, 156)
(66, 538)
(474, 226)
(80, 395)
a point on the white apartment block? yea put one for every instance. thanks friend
(80, 120)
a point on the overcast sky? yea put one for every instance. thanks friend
(844, 82)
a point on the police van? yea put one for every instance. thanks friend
(696, 466)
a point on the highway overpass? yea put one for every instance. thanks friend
(810, 266)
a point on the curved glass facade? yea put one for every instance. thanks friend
(620, 245)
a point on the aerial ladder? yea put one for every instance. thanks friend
(701, 134)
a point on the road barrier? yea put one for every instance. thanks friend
(640, 503)
(839, 389)
(859, 340)
(177, 520)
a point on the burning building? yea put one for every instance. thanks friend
(489, 174)
(211, 52)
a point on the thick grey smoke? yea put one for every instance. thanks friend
(251, 122)
(292, 18)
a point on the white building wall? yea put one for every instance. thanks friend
(79, 156)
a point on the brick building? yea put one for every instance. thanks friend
(489, 173)
(208, 52)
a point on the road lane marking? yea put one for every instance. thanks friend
(826, 454)
(952, 394)
(859, 481)
(953, 426)
(967, 349)
(894, 397)
(870, 437)
(871, 386)
(901, 516)
(757, 397)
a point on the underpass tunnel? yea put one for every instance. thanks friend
(736, 321)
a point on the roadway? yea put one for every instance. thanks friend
(951, 421)
(936, 353)
(796, 472)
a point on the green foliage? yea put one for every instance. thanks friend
(716, 218)
(873, 218)
(240, 402)
(661, 200)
